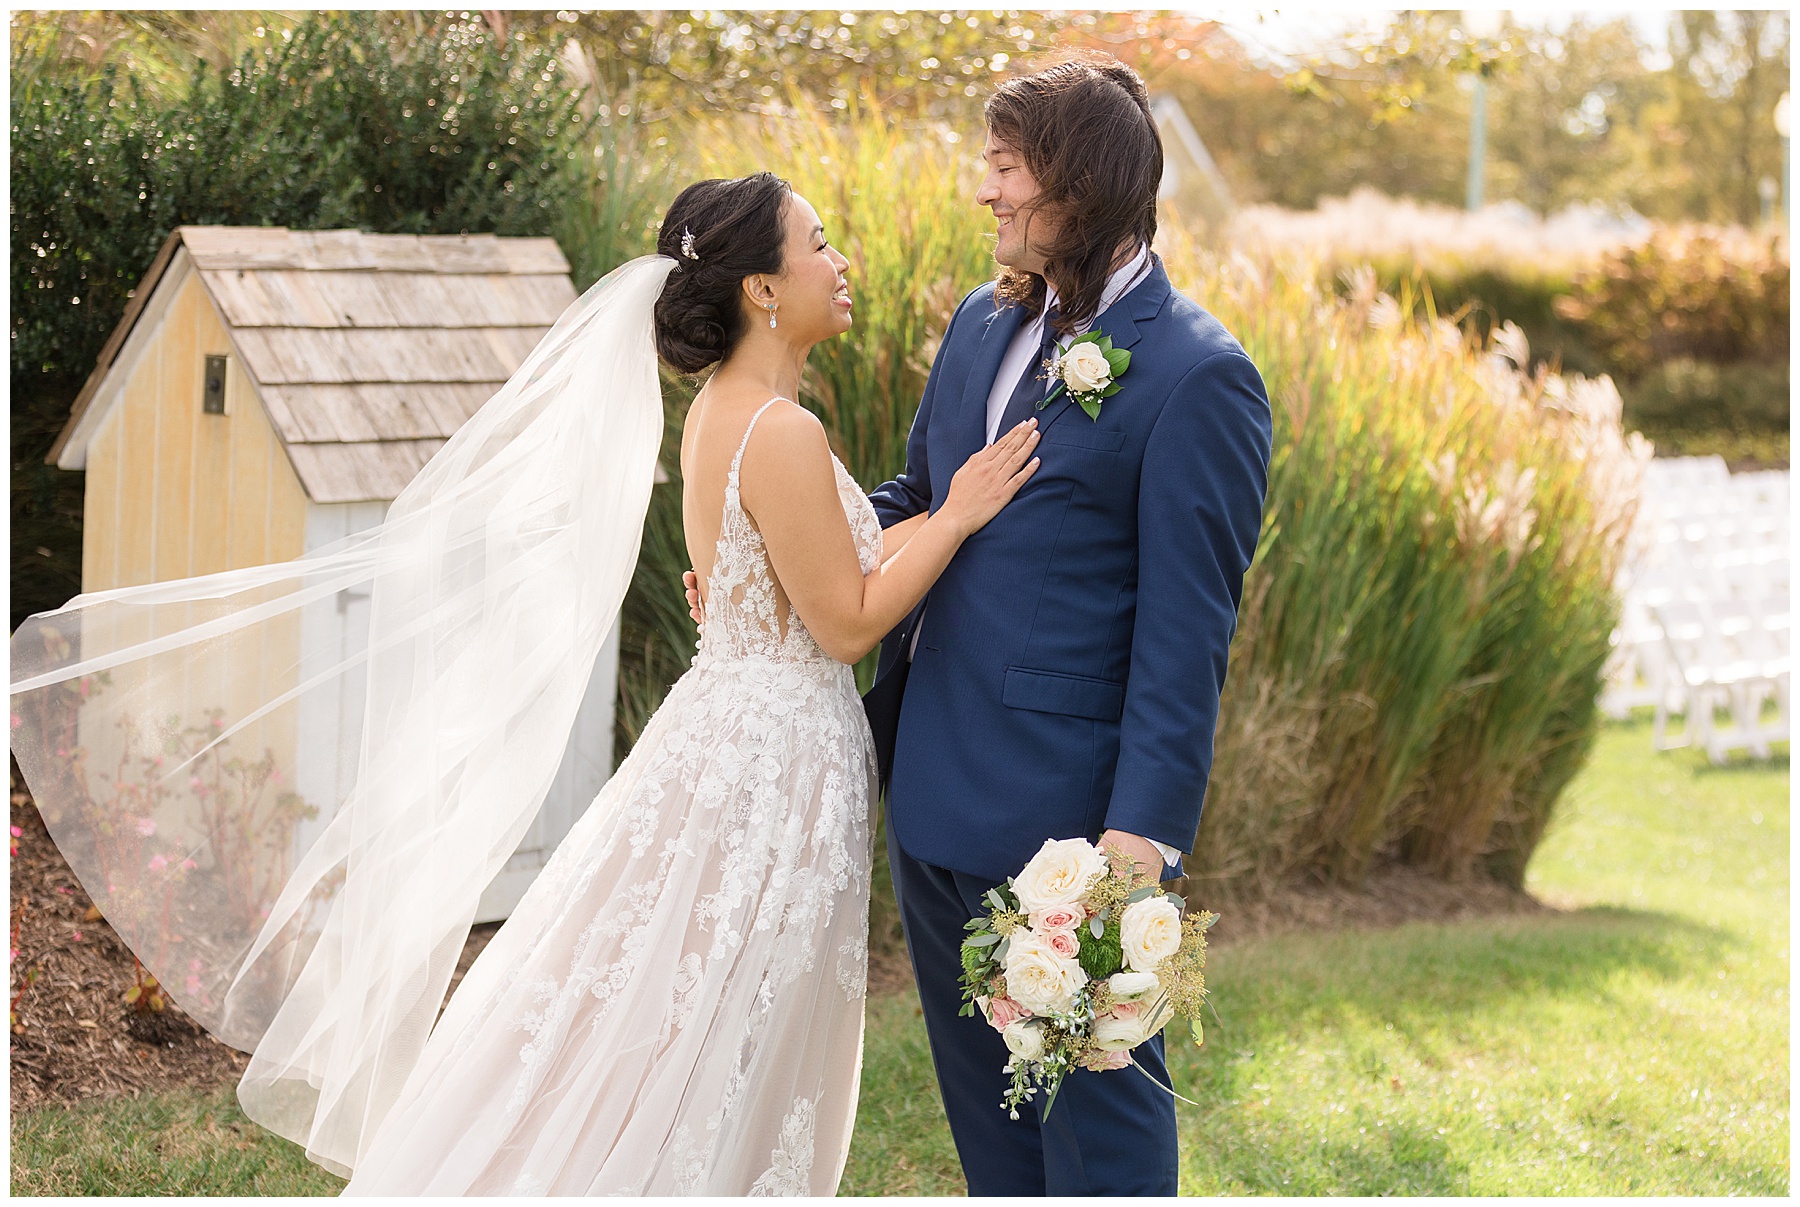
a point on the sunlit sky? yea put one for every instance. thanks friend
(1299, 30)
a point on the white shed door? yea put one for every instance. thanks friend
(586, 764)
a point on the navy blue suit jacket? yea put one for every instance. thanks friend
(1066, 679)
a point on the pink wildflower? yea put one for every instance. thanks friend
(158, 863)
(146, 826)
(17, 833)
(188, 865)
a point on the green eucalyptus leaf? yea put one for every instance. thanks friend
(1141, 893)
(994, 896)
(987, 940)
(1000, 951)
(1096, 927)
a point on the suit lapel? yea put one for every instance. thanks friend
(971, 419)
(1122, 321)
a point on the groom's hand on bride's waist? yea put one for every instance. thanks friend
(692, 584)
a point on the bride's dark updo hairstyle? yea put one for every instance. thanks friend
(737, 229)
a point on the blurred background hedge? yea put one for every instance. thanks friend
(1423, 630)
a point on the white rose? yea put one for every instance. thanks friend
(1024, 1039)
(1084, 368)
(1128, 985)
(1129, 1024)
(1037, 978)
(1150, 932)
(1058, 874)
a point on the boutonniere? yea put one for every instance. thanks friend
(1089, 369)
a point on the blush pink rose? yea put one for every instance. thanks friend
(1057, 917)
(1003, 1011)
(1063, 943)
(1101, 1062)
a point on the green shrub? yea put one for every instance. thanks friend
(1686, 293)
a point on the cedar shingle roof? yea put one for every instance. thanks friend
(368, 351)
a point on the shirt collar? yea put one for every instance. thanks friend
(1120, 283)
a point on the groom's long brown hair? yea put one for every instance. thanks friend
(1083, 127)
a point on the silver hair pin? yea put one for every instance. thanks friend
(687, 244)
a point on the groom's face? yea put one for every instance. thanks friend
(1009, 189)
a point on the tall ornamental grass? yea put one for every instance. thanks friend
(1423, 629)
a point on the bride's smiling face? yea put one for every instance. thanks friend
(812, 293)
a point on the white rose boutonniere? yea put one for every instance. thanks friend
(1089, 369)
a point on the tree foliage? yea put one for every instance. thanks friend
(1586, 112)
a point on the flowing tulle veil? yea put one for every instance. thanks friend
(290, 821)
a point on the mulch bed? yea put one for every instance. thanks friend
(74, 1038)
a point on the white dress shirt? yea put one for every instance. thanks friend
(1030, 337)
(1018, 361)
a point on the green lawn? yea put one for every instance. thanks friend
(1635, 1044)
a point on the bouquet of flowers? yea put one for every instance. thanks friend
(1077, 961)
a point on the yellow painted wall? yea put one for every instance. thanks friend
(173, 492)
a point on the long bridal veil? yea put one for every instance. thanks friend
(290, 819)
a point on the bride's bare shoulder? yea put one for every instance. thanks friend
(787, 450)
(785, 430)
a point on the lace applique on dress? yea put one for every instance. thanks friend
(790, 1170)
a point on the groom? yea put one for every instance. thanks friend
(1062, 678)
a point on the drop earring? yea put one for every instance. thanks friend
(770, 307)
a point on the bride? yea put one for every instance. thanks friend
(676, 1005)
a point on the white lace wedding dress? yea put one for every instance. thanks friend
(676, 1006)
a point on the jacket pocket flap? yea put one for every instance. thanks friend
(1068, 695)
(1083, 434)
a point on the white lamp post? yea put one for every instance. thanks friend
(1781, 128)
(1479, 24)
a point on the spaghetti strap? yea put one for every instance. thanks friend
(738, 457)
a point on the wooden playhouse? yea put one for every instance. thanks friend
(270, 391)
